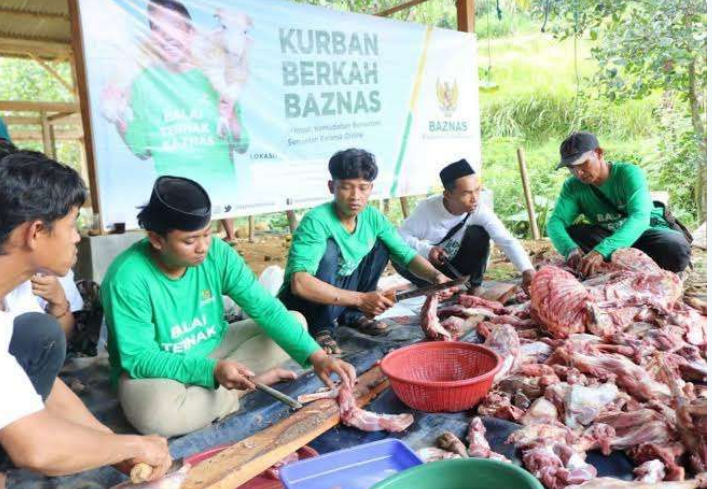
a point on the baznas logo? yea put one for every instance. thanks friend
(447, 96)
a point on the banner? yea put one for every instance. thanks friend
(252, 98)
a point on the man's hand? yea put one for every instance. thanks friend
(591, 263)
(441, 278)
(437, 255)
(233, 375)
(49, 288)
(574, 258)
(374, 303)
(151, 450)
(527, 277)
(325, 365)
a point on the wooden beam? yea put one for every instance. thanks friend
(398, 8)
(78, 50)
(34, 13)
(59, 135)
(46, 138)
(248, 458)
(466, 15)
(251, 229)
(65, 118)
(41, 39)
(12, 46)
(21, 120)
(28, 106)
(54, 73)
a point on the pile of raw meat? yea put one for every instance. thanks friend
(613, 362)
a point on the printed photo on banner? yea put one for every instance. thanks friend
(251, 98)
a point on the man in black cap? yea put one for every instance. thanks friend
(615, 200)
(176, 362)
(453, 231)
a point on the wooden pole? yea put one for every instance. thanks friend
(398, 8)
(251, 229)
(466, 15)
(533, 225)
(292, 219)
(248, 458)
(80, 69)
(387, 206)
(46, 138)
(404, 207)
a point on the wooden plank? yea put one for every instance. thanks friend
(398, 8)
(29, 106)
(34, 13)
(78, 51)
(22, 120)
(533, 224)
(248, 458)
(466, 15)
(12, 46)
(59, 135)
(65, 118)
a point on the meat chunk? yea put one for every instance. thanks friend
(352, 415)
(503, 340)
(559, 302)
(430, 322)
(478, 446)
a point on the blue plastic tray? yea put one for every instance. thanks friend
(359, 467)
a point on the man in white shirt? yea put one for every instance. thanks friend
(43, 424)
(453, 231)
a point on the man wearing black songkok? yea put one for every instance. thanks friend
(453, 230)
(175, 361)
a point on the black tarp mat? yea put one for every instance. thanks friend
(260, 411)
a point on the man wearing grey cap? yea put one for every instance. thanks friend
(618, 208)
(176, 363)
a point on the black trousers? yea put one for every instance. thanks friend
(39, 346)
(471, 258)
(322, 317)
(668, 248)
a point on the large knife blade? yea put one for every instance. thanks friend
(431, 289)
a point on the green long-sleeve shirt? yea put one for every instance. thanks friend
(165, 328)
(627, 188)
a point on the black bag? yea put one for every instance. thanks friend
(672, 221)
(454, 229)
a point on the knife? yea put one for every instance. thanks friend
(430, 289)
(280, 396)
(450, 268)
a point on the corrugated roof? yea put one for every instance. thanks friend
(41, 27)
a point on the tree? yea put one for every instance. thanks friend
(644, 46)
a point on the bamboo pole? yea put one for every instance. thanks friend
(251, 229)
(292, 219)
(46, 138)
(533, 225)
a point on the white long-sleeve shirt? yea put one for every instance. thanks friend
(431, 221)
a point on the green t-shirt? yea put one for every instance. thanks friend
(165, 328)
(627, 188)
(175, 121)
(322, 223)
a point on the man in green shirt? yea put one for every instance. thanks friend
(615, 200)
(339, 252)
(176, 362)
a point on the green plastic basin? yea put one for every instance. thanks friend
(472, 473)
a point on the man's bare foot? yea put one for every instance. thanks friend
(274, 375)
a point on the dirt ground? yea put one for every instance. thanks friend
(271, 249)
